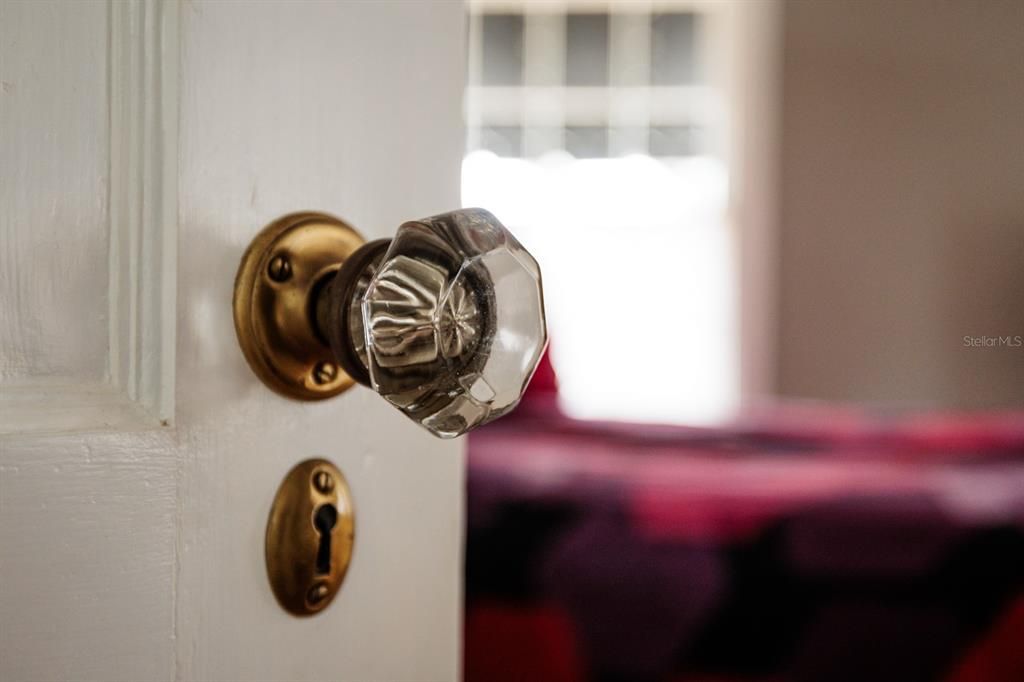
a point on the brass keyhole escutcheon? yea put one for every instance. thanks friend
(310, 533)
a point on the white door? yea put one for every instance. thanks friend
(142, 145)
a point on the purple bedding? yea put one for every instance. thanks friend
(804, 544)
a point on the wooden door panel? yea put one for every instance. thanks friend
(150, 140)
(88, 185)
(56, 140)
(353, 109)
(87, 570)
(88, 457)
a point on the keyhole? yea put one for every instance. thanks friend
(324, 519)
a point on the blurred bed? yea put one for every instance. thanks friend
(803, 543)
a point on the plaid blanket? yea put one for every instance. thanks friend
(802, 543)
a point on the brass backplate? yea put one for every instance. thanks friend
(305, 573)
(283, 266)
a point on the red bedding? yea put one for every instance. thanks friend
(801, 544)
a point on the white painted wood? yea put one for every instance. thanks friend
(133, 550)
(754, 65)
(87, 527)
(355, 109)
(88, 476)
(143, 200)
(53, 191)
(89, 204)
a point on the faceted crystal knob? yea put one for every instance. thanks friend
(445, 321)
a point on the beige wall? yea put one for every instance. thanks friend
(901, 201)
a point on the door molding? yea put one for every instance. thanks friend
(137, 389)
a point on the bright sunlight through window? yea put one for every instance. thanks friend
(596, 134)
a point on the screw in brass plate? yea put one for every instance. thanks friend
(323, 482)
(317, 593)
(325, 372)
(280, 268)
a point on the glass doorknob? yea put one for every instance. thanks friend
(445, 320)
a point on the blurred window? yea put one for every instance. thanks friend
(595, 134)
(502, 140)
(587, 142)
(673, 48)
(586, 49)
(503, 59)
